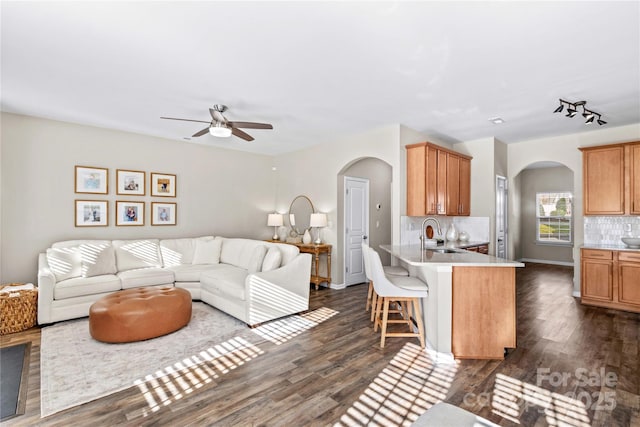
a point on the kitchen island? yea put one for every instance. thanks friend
(470, 312)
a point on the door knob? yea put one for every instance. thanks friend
(364, 237)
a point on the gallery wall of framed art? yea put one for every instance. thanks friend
(95, 213)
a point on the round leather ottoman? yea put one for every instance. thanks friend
(139, 314)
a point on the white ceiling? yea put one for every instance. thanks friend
(320, 70)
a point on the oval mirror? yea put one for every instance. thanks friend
(299, 214)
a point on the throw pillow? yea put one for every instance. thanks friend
(257, 256)
(65, 263)
(272, 259)
(98, 260)
(207, 252)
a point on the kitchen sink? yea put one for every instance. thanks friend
(442, 250)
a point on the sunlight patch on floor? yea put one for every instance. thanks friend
(173, 382)
(281, 331)
(409, 385)
(512, 396)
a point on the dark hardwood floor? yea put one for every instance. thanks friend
(574, 366)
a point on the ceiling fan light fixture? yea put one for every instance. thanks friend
(559, 109)
(590, 119)
(220, 130)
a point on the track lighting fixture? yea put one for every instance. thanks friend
(572, 111)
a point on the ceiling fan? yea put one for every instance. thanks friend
(221, 127)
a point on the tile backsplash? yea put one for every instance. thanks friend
(476, 226)
(607, 230)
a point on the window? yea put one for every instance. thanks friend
(554, 217)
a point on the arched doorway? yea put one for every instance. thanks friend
(544, 229)
(379, 175)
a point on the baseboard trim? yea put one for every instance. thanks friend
(577, 294)
(546, 261)
(337, 286)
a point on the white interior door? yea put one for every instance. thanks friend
(356, 212)
(501, 217)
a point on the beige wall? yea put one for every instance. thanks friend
(221, 192)
(533, 181)
(483, 180)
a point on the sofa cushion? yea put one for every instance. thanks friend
(192, 272)
(288, 252)
(257, 256)
(134, 254)
(179, 251)
(98, 259)
(272, 259)
(207, 252)
(65, 263)
(81, 286)
(226, 282)
(145, 277)
(238, 252)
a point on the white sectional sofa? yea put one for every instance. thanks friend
(252, 280)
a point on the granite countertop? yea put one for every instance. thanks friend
(412, 255)
(620, 247)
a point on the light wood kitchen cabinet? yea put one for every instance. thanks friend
(422, 178)
(465, 187)
(597, 275)
(629, 278)
(611, 179)
(441, 184)
(633, 151)
(438, 181)
(416, 180)
(611, 279)
(483, 318)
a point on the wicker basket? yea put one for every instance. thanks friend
(18, 309)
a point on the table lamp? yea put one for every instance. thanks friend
(275, 220)
(318, 220)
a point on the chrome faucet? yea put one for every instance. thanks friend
(423, 233)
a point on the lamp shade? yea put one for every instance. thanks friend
(318, 220)
(275, 220)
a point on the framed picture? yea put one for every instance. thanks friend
(92, 213)
(92, 180)
(163, 185)
(129, 213)
(130, 182)
(163, 213)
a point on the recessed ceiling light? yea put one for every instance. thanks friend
(496, 120)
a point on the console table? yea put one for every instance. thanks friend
(316, 251)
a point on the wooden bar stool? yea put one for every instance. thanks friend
(406, 290)
(391, 270)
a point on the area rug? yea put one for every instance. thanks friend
(14, 371)
(76, 369)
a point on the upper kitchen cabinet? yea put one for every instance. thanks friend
(634, 177)
(438, 181)
(611, 179)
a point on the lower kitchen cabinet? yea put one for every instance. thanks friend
(610, 279)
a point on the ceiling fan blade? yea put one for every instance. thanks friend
(200, 133)
(240, 134)
(185, 120)
(250, 125)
